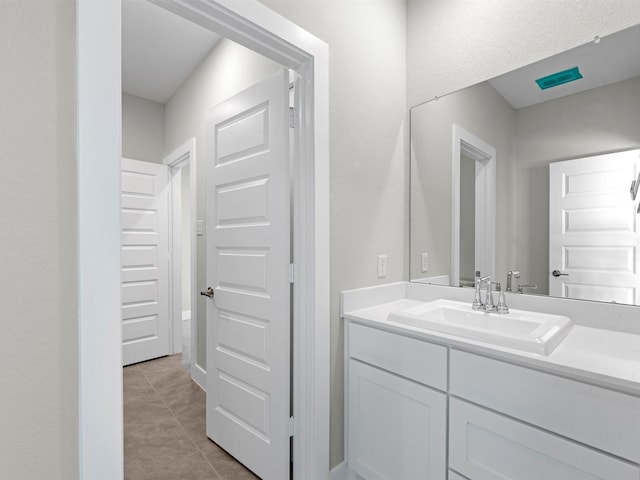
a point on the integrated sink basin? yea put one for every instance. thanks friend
(527, 331)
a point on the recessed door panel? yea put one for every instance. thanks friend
(244, 336)
(605, 258)
(598, 220)
(244, 135)
(243, 270)
(244, 203)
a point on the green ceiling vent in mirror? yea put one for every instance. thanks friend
(559, 78)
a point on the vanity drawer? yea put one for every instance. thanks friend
(598, 417)
(485, 445)
(415, 359)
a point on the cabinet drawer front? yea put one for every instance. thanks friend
(607, 420)
(420, 361)
(487, 446)
(396, 427)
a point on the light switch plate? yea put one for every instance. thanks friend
(425, 262)
(199, 227)
(382, 266)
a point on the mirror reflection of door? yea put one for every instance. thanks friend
(473, 213)
(593, 238)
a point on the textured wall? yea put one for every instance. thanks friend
(367, 113)
(452, 44)
(38, 249)
(142, 129)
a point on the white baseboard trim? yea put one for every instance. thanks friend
(186, 315)
(340, 472)
(199, 375)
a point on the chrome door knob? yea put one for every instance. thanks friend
(557, 273)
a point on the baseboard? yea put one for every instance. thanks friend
(199, 375)
(340, 472)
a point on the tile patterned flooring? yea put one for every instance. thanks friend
(164, 427)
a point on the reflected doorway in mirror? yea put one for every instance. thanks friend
(473, 216)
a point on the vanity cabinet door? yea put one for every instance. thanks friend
(487, 446)
(396, 427)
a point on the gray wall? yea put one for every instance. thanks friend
(38, 249)
(228, 69)
(602, 120)
(142, 129)
(367, 114)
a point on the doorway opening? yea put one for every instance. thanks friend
(257, 27)
(474, 205)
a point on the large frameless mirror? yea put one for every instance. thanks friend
(528, 177)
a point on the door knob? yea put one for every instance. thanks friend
(557, 273)
(209, 293)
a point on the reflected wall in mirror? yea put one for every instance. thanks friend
(581, 137)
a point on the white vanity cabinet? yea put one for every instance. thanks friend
(512, 422)
(419, 410)
(396, 411)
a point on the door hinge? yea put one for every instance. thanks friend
(292, 117)
(292, 426)
(292, 273)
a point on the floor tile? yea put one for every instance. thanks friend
(158, 441)
(165, 431)
(226, 466)
(190, 467)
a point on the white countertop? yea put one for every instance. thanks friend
(598, 356)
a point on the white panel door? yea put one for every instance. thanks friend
(144, 261)
(248, 257)
(593, 234)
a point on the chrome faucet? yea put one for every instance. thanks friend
(510, 274)
(488, 299)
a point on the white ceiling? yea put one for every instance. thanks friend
(613, 59)
(159, 50)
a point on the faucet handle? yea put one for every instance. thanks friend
(488, 299)
(501, 307)
(522, 287)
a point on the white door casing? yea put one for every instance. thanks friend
(183, 156)
(99, 118)
(593, 235)
(144, 261)
(484, 156)
(248, 257)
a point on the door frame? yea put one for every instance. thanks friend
(182, 156)
(484, 156)
(259, 28)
